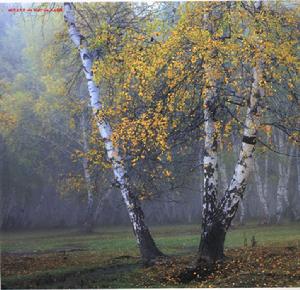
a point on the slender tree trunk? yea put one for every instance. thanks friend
(242, 213)
(266, 183)
(99, 204)
(5, 185)
(266, 173)
(261, 191)
(209, 164)
(89, 222)
(284, 170)
(298, 170)
(211, 237)
(295, 212)
(144, 239)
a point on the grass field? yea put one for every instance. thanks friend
(108, 258)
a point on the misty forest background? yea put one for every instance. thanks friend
(46, 124)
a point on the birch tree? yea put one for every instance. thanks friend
(261, 185)
(284, 171)
(218, 215)
(144, 239)
(230, 54)
(88, 224)
(219, 219)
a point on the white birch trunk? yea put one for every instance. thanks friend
(242, 213)
(100, 204)
(210, 160)
(87, 176)
(145, 242)
(295, 210)
(298, 170)
(261, 191)
(244, 164)
(266, 175)
(210, 165)
(234, 193)
(282, 200)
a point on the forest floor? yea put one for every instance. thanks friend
(108, 258)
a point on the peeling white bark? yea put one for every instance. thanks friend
(210, 159)
(94, 91)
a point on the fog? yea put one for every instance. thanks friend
(43, 135)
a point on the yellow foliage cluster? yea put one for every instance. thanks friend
(151, 81)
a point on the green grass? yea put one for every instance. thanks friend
(102, 249)
(171, 239)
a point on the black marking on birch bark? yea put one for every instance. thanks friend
(116, 183)
(229, 202)
(85, 69)
(254, 110)
(215, 144)
(65, 17)
(231, 214)
(249, 140)
(82, 39)
(242, 162)
(211, 104)
(209, 170)
(85, 56)
(248, 101)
